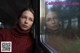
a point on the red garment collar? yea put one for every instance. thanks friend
(20, 32)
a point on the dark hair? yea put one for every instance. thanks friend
(27, 8)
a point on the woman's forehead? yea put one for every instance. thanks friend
(51, 14)
(28, 13)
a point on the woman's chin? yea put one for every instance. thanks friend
(54, 29)
(24, 29)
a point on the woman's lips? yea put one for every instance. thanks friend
(54, 26)
(25, 26)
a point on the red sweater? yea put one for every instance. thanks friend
(21, 41)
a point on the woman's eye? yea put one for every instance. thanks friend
(49, 19)
(23, 17)
(30, 19)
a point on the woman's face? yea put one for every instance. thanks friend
(52, 21)
(26, 20)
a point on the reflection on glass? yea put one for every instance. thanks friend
(61, 27)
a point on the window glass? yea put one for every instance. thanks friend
(60, 25)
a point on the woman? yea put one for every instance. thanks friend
(56, 37)
(52, 22)
(20, 36)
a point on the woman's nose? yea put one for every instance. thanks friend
(26, 21)
(53, 21)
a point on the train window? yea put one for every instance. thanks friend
(1, 25)
(60, 26)
(74, 22)
(65, 23)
